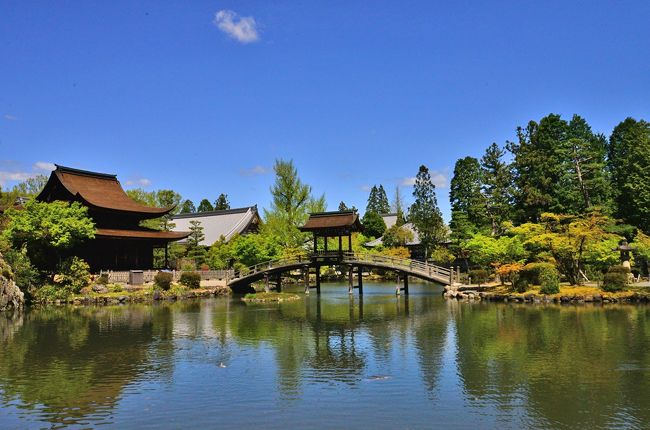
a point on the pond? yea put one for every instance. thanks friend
(332, 361)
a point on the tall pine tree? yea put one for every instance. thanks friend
(497, 187)
(424, 212)
(467, 202)
(628, 159)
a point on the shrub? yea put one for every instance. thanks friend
(163, 280)
(115, 288)
(479, 276)
(24, 273)
(102, 279)
(49, 293)
(520, 284)
(191, 279)
(616, 278)
(73, 273)
(549, 279)
(507, 272)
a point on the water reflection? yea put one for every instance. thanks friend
(457, 363)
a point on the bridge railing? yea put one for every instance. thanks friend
(392, 263)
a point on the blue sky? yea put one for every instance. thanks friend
(201, 97)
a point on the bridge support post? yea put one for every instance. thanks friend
(279, 283)
(350, 280)
(451, 275)
(360, 278)
(317, 279)
(398, 289)
(266, 283)
(305, 273)
(406, 284)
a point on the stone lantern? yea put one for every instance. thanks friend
(624, 249)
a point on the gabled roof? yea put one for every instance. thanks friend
(216, 224)
(98, 190)
(408, 226)
(164, 236)
(333, 222)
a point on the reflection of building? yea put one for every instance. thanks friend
(120, 242)
(217, 224)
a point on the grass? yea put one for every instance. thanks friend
(269, 297)
(570, 291)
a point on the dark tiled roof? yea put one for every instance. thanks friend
(100, 190)
(342, 220)
(141, 234)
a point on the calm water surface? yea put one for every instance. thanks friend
(334, 362)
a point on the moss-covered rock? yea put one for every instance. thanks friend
(11, 298)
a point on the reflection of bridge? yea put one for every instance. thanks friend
(355, 262)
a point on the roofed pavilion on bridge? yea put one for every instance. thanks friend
(333, 224)
(120, 242)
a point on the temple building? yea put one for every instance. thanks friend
(120, 242)
(221, 224)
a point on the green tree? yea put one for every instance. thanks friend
(222, 202)
(629, 158)
(290, 205)
(205, 206)
(188, 207)
(497, 187)
(378, 200)
(31, 186)
(343, 206)
(424, 212)
(373, 224)
(48, 230)
(397, 236)
(196, 234)
(465, 196)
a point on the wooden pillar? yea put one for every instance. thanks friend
(326, 244)
(451, 275)
(397, 288)
(279, 283)
(360, 277)
(166, 256)
(317, 279)
(315, 243)
(406, 284)
(266, 283)
(350, 279)
(305, 273)
(350, 242)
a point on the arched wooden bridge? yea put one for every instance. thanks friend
(352, 260)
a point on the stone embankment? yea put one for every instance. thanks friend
(103, 299)
(11, 298)
(460, 292)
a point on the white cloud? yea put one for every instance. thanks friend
(10, 117)
(14, 177)
(44, 166)
(138, 182)
(255, 171)
(439, 179)
(241, 28)
(365, 188)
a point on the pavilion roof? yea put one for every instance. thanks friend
(99, 190)
(333, 222)
(141, 234)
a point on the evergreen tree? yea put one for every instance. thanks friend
(424, 212)
(538, 167)
(343, 206)
(497, 187)
(383, 207)
(196, 234)
(373, 200)
(188, 207)
(465, 195)
(205, 206)
(222, 202)
(628, 159)
(374, 225)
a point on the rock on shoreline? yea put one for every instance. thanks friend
(11, 298)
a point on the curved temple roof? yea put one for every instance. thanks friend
(99, 190)
(347, 221)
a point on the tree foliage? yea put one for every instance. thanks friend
(373, 224)
(47, 230)
(424, 212)
(222, 203)
(378, 200)
(187, 207)
(205, 206)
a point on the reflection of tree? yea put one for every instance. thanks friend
(566, 361)
(75, 362)
(430, 332)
